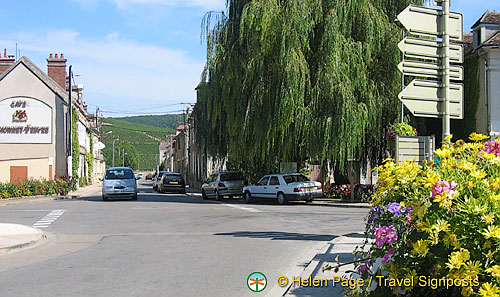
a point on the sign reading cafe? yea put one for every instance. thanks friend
(25, 120)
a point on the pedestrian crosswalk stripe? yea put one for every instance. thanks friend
(49, 218)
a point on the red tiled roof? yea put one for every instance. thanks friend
(489, 17)
(493, 40)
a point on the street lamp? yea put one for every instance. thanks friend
(123, 155)
(114, 139)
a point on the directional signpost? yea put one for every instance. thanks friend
(438, 97)
(425, 95)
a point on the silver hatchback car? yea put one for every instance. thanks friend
(119, 182)
(220, 184)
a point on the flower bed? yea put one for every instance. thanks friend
(32, 187)
(436, 226)
(343, 191)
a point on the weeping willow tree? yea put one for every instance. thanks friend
(299, 80)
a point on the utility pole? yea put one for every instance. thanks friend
(69, 161)
(114, 151)
(96, 118)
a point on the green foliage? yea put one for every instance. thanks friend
(143, 138)
(90, 158)
(462, 128)
(75, 145)
(170, 121)
(299, 80)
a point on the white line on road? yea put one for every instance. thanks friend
(49, 218)
(242, 208)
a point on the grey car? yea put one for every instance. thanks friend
(220, 184)
(119, 182)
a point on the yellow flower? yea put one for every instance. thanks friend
(443, 153)
(492, 232)
(448, 138)
(441, 225)
(479, 174)
(431, 179)
(490, 254)
(495, 197)
(420, 248)
(434, 238)
(488, 218)
(495, 271)
(472, 268)
(477, 137)
(488, 290)
(457, 259)
(467, 291)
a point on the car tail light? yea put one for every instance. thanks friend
(221, 185)
(320, 188)
(297, 190)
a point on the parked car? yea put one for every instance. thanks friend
(220, 184)
(284, 188)
(139, 176)
(149, 176)
(119, 182)
(172, 182)
(156, 179)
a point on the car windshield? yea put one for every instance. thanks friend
(295, 178)
(231, 176)
(119, 174)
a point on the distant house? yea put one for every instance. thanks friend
(484, 44)
(34, 130)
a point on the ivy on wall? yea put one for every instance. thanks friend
(90, 160)
(75, 145)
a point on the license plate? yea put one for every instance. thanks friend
(236, 190)
(174, 183)
(309, 188)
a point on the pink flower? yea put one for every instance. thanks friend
(492, 147)
(365, 267)
(385, 234)
(389, 253)
(444, 186)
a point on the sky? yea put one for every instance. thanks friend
(132, 56)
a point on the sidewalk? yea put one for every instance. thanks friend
(14, 237)
(341, 247)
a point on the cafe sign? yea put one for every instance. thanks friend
(25, 120)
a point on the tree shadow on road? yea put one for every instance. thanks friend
(280, 235)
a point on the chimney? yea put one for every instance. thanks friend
(6, 61)
(56, 69)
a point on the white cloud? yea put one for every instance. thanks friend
(118, 71)
(205, 4)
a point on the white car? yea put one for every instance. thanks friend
(284, 188)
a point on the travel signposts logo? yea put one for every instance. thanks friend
(257, 282)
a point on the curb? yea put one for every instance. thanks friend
(39, 198)
(339, 204)
(24, 245)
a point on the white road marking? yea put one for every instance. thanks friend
(249, 209)
(49, 218)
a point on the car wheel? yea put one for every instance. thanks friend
(183, 191)
(281, 198)
(134, 197)
(203, 195)
(309, 200)
(217, 196)
(104, 198)
(248, 197)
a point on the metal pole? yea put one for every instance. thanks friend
(403, 81)
(113, 152)
(70, 129)
(446, 68)
(123, 157)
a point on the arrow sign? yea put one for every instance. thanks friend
(429, 49)
(430, 70)
(425, 21)
(423, 99)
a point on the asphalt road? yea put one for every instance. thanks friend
(165, 245)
